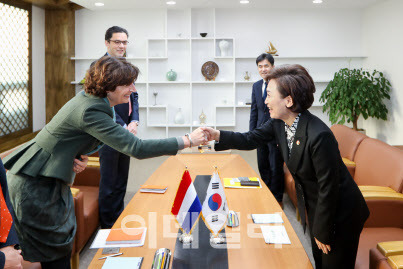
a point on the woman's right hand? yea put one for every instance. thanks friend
(199, 137)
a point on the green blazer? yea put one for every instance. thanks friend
(80, 126)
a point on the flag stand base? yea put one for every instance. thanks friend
(217, 239)
(186, 238)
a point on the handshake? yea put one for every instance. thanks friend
(202, 135)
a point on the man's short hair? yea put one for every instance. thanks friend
(114, 29)
(265, 56)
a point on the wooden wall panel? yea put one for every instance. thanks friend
(59, 69)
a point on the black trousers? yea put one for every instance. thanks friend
(271, 171)
(344, 249)
(112, 187)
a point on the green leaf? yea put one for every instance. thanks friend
(355, 92)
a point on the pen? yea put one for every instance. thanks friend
(118, 254)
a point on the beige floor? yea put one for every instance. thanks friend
(141, 170)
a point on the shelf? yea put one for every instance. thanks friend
(179, 125)
(305, 57)
(212, 82)
(243, 106)
(224, 57)
(182, 48)
(169, 82)
(157, 125)
(219, 106)
(158, 58)
(96, 58)
(203, 38)
(226, 125)
(157, 106)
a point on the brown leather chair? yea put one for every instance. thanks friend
(387, 254)
(377, 260)
(349, 141)
(289, 186)
(379, 164)
(86, 207)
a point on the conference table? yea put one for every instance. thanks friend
(245, 243)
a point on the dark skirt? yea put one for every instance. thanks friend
(44, 216)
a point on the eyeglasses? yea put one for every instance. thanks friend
(118, 42)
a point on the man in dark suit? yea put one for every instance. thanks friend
(269, 159)
(9, 256)
(115, 165)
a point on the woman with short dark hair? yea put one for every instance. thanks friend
(325, 189)
(41, 171)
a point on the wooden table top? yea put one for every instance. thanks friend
(246, 246)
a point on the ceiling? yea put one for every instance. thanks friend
(131, 4)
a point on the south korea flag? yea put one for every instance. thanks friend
(215, 208)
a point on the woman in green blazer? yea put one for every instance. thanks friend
(41, 171)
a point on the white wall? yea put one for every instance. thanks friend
(141, 25)
(306, 32)
(382, 40)
(38, 68)
(295, 32)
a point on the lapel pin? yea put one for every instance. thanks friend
(298, 143)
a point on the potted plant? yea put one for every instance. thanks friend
(355, 92)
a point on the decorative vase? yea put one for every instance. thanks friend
(202, 118)
(179, 119)
(246, 77)
(224, 46)
(171, 75)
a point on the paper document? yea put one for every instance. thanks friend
(100, 240)
(123, 263)
(267, 218)
(153, 188)
(275, 235)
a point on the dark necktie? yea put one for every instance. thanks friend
(265, 91)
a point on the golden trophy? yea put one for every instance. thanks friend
(271, 49)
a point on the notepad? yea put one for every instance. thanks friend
(125, 236)
(267, 218)
(153, 188)
(242, 182)
(123, 263)
(275, 235)
(100, 240)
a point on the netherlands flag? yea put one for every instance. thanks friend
(187, 206)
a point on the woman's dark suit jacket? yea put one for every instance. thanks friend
(324, 185)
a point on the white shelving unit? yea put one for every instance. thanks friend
(182, 49)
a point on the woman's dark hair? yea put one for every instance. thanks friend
(294, 80)
(108, 73)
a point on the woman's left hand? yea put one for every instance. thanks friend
(80, 165)
(325, 248)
